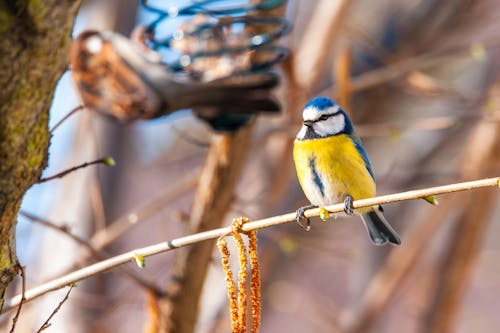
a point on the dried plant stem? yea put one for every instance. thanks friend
(255, 298)
(238, 298)
(215, 233)
(242, 282)
(231, 288)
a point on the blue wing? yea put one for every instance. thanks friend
(362, 152)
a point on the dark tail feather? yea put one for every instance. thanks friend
(246, 94)
(379, 229)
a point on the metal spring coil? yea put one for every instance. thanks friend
(223, 15)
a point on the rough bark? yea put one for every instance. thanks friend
(34, 36)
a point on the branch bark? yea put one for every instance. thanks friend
(34, 36)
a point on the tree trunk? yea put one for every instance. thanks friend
(34, 36)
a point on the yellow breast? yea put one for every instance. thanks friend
(331, 168)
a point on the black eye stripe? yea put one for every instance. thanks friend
(325, 117)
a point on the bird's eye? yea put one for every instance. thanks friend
(324, 117)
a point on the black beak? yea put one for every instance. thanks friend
(308, 123)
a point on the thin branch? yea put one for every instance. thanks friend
(59, 228)
(255, 225)
(117, 228)
(120, 226)
(96, 253)
(108, 161)
(23, 299)
(47, 324)
(72, 112)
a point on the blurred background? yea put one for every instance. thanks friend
(419, 78)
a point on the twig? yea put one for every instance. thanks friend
(108, 161)
(59, 228)
(96, 253)
(117, 228)
(47, 324)
(120, 226)
(23, 290)
(255, 225)
(72, 112)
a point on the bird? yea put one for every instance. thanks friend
(332, 167)
(121, 79)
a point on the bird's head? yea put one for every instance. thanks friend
(109, 72)
(322, 117)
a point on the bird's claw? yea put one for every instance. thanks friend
(302, 219)
(348, 206)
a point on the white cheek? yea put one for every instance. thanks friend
(302, 133)
(331, 126)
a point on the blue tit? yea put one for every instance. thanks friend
(332, 166)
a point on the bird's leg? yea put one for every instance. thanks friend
(348, 206)
(302, 220)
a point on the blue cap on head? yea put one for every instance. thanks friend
(320, 103)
